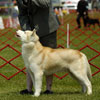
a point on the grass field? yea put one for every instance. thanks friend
(65, 89)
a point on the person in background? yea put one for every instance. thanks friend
(82, 11)
(39, 12)
(14, 15)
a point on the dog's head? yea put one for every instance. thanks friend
(27, 36)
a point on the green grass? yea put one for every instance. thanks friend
(65, 89)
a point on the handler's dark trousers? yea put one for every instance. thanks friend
(49, 40)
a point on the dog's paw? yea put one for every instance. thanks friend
(36, 95)
(90, 93)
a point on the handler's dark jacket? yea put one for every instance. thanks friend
(82, 6)
(37, 12)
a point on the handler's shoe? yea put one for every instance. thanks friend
(48, 92)
(23, 92)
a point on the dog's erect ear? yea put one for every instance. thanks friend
(36, 28)
(34, 31)
(35, 35)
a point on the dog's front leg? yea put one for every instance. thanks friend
(38, 74)
(38, 83)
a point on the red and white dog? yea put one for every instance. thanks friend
(41, 60)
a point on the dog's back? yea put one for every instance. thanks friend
(91, 21)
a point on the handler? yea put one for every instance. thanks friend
(39, 12)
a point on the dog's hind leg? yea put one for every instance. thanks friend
(83, 80)
(84, 89)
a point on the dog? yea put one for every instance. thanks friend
(90, 21)
(40, 60)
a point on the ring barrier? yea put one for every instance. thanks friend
(9, 62)
(86, 40)
(6, 37)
